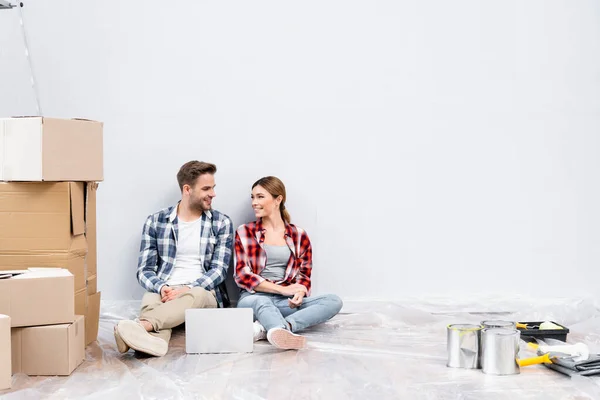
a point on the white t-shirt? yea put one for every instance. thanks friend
(189, 263)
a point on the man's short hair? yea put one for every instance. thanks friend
(191, 170)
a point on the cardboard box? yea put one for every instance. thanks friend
(40, 296)
(90, 307)
(92, 318)
(50, 149)
(92, 315)
(5, 353)
(81, 302)
(92, 284)
(42, 224)
(90, 228)
(48, 350)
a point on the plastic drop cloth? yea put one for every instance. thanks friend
(372, 350)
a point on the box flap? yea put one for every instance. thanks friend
(76, 191)
(16, 345)
(92, 318)
(92, 284)
(76, 342)
(81, 302)
(5, 302)
(5, 353)
(90, 228)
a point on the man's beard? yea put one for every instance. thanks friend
(199, 206)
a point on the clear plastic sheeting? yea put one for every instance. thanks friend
(372, 350)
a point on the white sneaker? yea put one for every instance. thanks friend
(284, 339)
(260, 333)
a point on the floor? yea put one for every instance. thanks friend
(372, 350)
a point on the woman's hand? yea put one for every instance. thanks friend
(296, 301)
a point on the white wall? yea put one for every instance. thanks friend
(428, 147)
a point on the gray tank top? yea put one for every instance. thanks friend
(277, 261)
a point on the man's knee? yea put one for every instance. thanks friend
(202, 297)
(252, 301)
(198, 291)
(150, 301)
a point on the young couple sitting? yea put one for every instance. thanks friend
(184, 256)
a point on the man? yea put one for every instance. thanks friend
(183, 259)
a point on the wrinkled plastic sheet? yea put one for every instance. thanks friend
(372, 350)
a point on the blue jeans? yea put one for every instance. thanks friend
(273, 311)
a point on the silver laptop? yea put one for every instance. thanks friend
(219, 330)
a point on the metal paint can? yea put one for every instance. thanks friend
(496, 323)
(464, 345)
(499, 351)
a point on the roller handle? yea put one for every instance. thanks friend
(544, 359)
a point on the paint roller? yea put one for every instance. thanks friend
(548, 354)
(544, 325)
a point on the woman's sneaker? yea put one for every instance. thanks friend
(260, 333)
(284, 339)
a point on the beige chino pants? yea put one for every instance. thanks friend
(165, 316)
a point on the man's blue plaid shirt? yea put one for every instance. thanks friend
(159, 247)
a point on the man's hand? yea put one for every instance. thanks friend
(296, 301)
(164, 291)
(292, 289)
(174, 293)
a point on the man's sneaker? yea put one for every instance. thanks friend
(260, 333)
(135, 336)
(121, 345)
(284, 339)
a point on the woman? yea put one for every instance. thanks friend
(273, 266)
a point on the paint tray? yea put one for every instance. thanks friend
(530, 334)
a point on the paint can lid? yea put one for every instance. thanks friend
(500, 331)
(497, 323)
(465, 327)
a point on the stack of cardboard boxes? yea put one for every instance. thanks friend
(49, 169)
